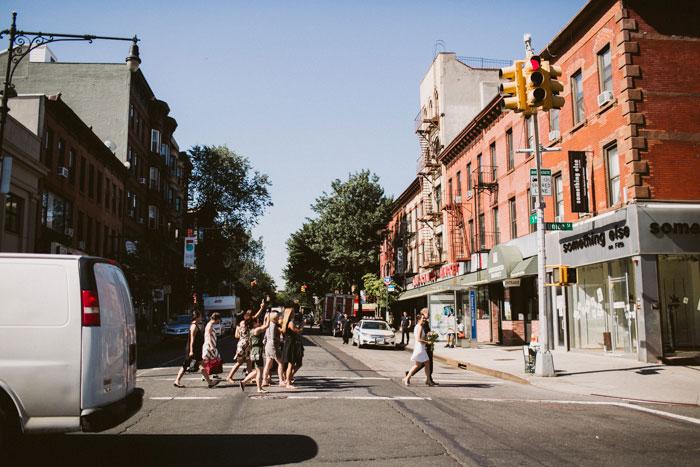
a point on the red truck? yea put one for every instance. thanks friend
(333, 308)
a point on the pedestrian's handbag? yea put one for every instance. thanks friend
(214, 367)
(192, 366)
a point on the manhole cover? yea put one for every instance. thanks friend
(267, 396)
(504, 359)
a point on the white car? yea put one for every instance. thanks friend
(373, 332)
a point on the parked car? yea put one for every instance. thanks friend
(177, 326)
(373, 332)
(68, 345)
(226, 323)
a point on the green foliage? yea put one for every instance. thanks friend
(376, 290)
(334, 251)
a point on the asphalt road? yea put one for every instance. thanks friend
(351, 408)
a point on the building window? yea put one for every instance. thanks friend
(170, 197)
(107, 207)
(131, 115)
(71, 166)
(613, 162)
(56, 212)
(14, 207)
(91, 181)
(177, 204)
(554, 121)
(510, 149)
(496, 227)
(483, 244)
(605, 70)
(469, 178)
(438, 198)
(513, 219)
(61, 153)
(82, 175)
(529, 132)
(155, 141)
(479, 167)
(165, 150)
(472, 242)
(450, 199)
(577, 93)
(114, 198)
(99, 188)
(459, 183)
(558, 198)
(48, 148)
(494, 163)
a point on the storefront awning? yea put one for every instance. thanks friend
(473, 279)
(527, 267)
(443, 286)
(502, 260)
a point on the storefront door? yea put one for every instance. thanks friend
(622, 322)
(679, 287)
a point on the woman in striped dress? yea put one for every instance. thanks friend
(209, 350)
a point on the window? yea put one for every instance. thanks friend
(48, 148)
(91, 181)
(558, 198)
(165, 150)
(107, 194)
(82, 174)
(482, 233)
(114, 198)
(613, 162)
(494, 168)
(528, 127)
(510, 149)
(14, 207)
(605, 70)
(479, 167)
(469, 177)
(554, 120)
(155, 141)
(61, 153)
(99, 188)
(438, 198)
(531, 202)
(450, 199)
(577, 95)
(496, 227)
(71, 165)
(459, 183)
(513, 219)
(56, 212)
(177, 204)
(471, 235)
(119, 202)
(131, 115)
(170, 197)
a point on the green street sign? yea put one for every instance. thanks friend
(558, 226)
(533, 219)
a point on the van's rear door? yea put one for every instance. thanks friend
(108, 371)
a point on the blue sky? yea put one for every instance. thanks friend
(309, 91)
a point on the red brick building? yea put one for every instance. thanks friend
(632, 107)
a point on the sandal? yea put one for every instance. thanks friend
(178, 385)
(242, 385)
(212, 384)
(289, 386)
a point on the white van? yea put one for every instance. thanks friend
(67, 345)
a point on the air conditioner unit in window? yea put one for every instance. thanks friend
(68, 231)
(553, 135)
(130, 213)
(142, 181)
(81, 245)
(141, 220)
(63, 172)
(458, 200)
(605, 97)
(470, 193)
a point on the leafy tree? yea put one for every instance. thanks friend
(341, 245)
(228, 198)
(376, 290)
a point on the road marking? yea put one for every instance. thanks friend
(358, 398)
(615, 404)
(183, 398)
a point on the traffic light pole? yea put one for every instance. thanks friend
(544, 363)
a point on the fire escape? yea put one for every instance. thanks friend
(485, 180)
(429, 172)
(454, 208)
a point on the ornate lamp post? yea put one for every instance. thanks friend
(21, 44)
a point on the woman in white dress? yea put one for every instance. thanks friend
(420, 355)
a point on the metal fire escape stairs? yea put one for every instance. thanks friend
(484, 180)
(454, 208)
(430, 172)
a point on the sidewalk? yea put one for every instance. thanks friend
(585, 373)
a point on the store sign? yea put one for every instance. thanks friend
(425, 278)
(189, 252)
(511, 283)
(609, 238)
(577, 181)
(452, 270)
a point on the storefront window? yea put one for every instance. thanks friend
(679, 290)
(483, 310)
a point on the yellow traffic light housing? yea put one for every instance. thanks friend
(514, 90)
(562, 276)
(553, 87)
(534, 82)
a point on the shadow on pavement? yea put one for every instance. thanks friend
(642, 370)
(156, 450)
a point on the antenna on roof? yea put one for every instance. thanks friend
(439, 47)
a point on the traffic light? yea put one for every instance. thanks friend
(254, 283)
(514, 90)
(563, 276)
(534, 82)
(553, 87)
(303, 288)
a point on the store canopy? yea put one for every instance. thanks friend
(502, 260)
(527, 267)
(438, 287)
(473, 279)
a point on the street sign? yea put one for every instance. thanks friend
(558, 226)
(533, 219)
(390, 288)
(546, 182)
(387, 280)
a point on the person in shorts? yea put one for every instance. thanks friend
(256, 354)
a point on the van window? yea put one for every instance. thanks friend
(109, 295)
(33, 294)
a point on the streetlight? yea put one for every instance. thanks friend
(21, 44)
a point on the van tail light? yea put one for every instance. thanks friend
(91, 308)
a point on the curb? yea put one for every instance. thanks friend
(478, 369)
